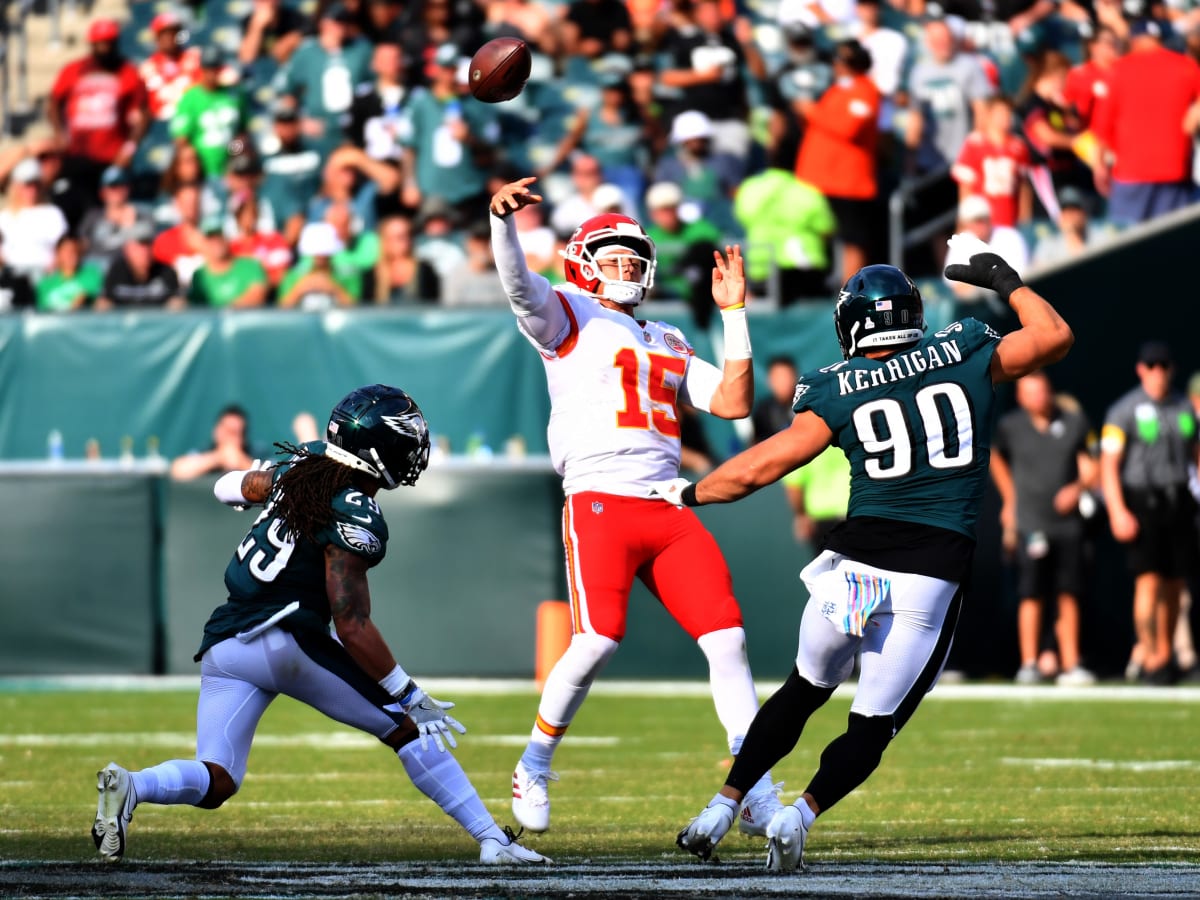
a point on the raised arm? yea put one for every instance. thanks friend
(538, 310)
(734, 395)
(1043, 338)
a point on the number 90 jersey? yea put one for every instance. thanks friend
(615, 384)
(916, 426)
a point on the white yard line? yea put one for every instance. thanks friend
(489, 687)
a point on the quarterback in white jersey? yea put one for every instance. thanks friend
(615, 384)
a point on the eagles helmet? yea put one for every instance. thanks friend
(879, 307)
(379, 430)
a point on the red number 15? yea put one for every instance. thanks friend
(633, 416)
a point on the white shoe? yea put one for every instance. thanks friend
(758, 808)
(113, 811)
(1076, 677)
(786, 835)
(531, 800)
(704, 832)
(494, 853)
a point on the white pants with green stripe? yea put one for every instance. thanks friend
(897, 620)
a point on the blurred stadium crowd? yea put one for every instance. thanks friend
(228, 153)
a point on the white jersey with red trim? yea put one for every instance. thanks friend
(614, 386)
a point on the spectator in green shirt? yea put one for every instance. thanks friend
(449, 139)
(324, 73)
(788, 226)
(70, 283)
(685, 251)
(324, 276)
(225, 280)
(210, 115)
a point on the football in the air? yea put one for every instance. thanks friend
(499, 69)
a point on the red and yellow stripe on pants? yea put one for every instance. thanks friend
(610, 539)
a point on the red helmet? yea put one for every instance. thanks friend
(586, 247)
(102, 30)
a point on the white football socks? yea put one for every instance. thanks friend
(730, 681)
(174, 782)
(439, 777)
(566, 688)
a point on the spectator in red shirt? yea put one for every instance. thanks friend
(171, 69)
(994, 163)
(182, 246)
(838, 153)
(97, 108)
(1145, 130)
(269, 247)
(1087, 83)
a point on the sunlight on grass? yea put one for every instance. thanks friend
(966, 781)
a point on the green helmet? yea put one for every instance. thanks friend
(879, 307)
(379, 430)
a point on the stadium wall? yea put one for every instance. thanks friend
(474, 549)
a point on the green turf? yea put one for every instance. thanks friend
(957, 784)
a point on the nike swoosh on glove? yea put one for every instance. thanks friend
(433, 720)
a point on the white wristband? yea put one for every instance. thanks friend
(395, 681)
(228, 489)
(737, 335)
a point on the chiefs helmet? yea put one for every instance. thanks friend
(379, 430)
(879, 306)
(588, 245)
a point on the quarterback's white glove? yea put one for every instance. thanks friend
(432, 719)
(671, 491)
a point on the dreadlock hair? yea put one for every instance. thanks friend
(303, 495)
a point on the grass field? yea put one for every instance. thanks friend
(1028, 776)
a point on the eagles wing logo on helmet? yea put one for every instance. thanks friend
(409, 424)
(359, 538)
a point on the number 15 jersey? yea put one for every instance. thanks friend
(615, 384)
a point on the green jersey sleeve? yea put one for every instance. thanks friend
(357, 526)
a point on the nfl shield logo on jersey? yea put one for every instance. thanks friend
(597, 507)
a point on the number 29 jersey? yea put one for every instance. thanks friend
(916, 427)
(270, 568)
(614, 384)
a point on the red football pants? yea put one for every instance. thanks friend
(609, 539)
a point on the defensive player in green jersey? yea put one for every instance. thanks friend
(913, 414)
(303, 565)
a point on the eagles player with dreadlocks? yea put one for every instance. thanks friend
(302, 565)
(913, 414)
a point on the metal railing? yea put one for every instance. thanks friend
(900, 238)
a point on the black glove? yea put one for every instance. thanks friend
(987, 270)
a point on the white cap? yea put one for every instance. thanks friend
(319, 239)
(607, 198)
(691, 125)
(974, 207)
(664, 195)
(27, 171)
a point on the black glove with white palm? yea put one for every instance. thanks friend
(982, 267)
(431, 717)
